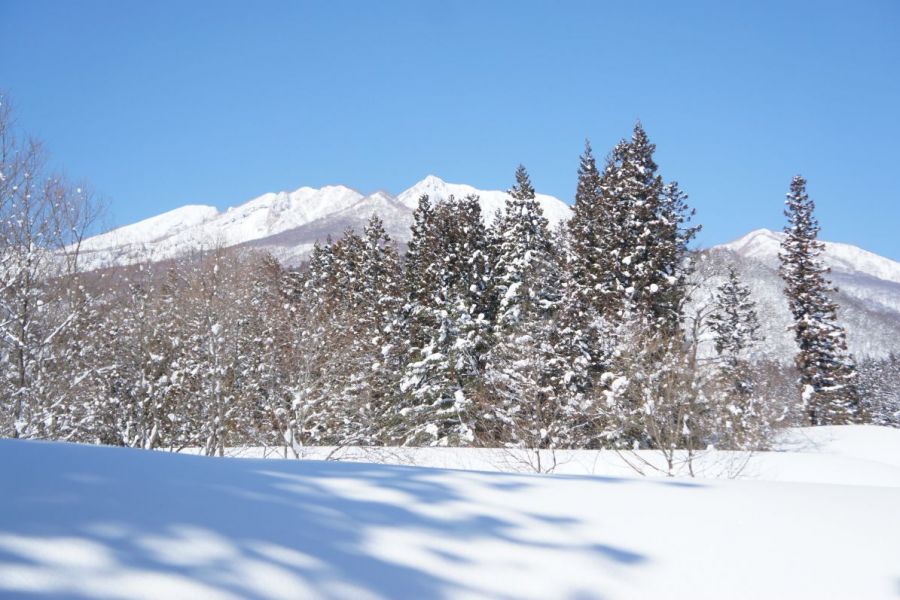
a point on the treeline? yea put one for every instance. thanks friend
(499, 334)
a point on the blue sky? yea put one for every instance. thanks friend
(160, 104)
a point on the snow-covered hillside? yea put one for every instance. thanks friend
(192, 228)
(96, 522)
(763, 245)
(289, 224)
(868, 292)
(286, 223)
(491, 201)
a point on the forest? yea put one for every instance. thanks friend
(485, 330)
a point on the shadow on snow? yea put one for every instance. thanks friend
(211, 522)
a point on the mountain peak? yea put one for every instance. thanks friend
(379, 196)
(431, 181)
(758, 243)
(273, 216)
(764, 245)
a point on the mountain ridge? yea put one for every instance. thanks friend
(283, 222)
(288, 224)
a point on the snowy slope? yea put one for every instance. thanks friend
(292, 246)
(192, 228)
(868, 292)
(763, 245)
(841, 455)
(286, 223)
(492, 201)
(94, 522)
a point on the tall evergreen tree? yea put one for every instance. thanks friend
(827, 372)
(524, 260)
(587, 247)
(449, 328)
(735, 328)
(527, 369)
(646, 288)
(648, 221)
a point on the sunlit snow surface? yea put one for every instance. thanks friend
(94, 522)
(285, 223)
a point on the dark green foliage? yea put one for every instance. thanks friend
(827, 372)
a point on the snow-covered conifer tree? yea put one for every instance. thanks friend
(588, 244)
(739, 411)
(528, 372)
(880, 390)
(827, 372)
(449, 326)
(647, 288)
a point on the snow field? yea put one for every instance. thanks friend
(97, 522)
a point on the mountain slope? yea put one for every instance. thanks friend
(763, 245)
(285, 223)
(288, 224)
(868, 292)
(491, 201)
(192, 228)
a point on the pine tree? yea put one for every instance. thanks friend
(527, 369)
(268, 369)
(315, 349)
(740, 417)
(345, 405)
(587, 243)
(524, 261)
(583, 345)
(645, 292)
(648, 221)
(449, 327)
(880, 389)
(827, 372)
(381, 325)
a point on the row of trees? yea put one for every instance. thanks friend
(500, 334)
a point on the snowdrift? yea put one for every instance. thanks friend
(96, 522)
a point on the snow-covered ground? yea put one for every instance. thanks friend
(85, 521)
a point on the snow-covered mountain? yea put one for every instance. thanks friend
(763, 245)
(190, 228)
(285, 223)
(491, 201)
(868, 291)
(288, 224)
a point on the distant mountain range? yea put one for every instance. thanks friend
(285, 223)
(868, 291)
(288, 224)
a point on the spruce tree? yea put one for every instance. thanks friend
(524, 257)
(587, 243)
(644, 293)
(827, 372)
(449, 327)
(527, 369)
(880, 388)
(739, 419)
(649, 223)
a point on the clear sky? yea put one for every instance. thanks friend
(165, 103)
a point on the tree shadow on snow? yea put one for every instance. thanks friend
(116, 520)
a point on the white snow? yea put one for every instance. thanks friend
(202, 227)
(191, 228)
(492, 201)
(155, 228)
(764, 245)
(868, 296)
(96, 522)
